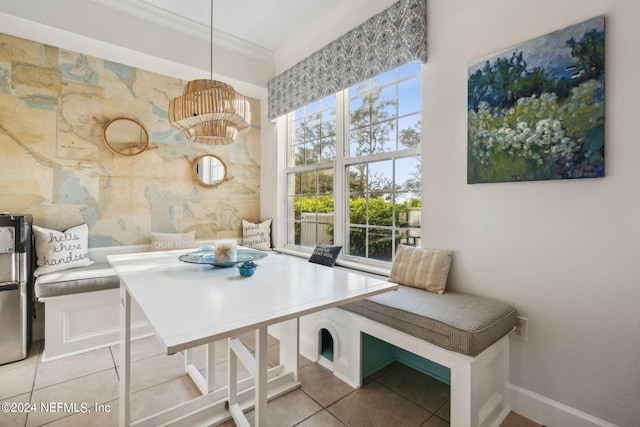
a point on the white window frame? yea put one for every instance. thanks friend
(340, 185)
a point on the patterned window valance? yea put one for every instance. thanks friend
(394, 37)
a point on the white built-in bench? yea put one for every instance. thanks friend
(82, 305)
(82, 309)
(465, 334)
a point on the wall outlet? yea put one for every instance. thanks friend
(520, 330)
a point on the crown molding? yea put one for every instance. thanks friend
(41, 33)
(156, 15)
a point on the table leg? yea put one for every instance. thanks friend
(261, 377)
(125, 357)
(290, 346)
(204, 383)
(258, 367)
(232, 380)
(210, 365)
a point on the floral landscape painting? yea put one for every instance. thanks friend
(536, 110)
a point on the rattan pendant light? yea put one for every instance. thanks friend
(209, 111)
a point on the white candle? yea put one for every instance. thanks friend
(225, 250)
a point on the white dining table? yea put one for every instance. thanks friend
(189, 305)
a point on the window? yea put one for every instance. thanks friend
(311, 175)
(354, 167)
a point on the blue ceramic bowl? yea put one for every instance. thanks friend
(247, 269)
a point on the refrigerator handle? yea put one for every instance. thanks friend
(9, 286)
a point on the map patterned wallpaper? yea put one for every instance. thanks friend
(55, 165)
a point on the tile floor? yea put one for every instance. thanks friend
(83, 391)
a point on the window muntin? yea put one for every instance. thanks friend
(311, 207)
(374, 161)
(382, 109)
(384, 207)
(315, 133)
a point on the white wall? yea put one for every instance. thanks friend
(565, 253)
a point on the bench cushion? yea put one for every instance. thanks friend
(464, 323)
(94, 277)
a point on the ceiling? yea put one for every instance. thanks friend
(276, 28)
(254, 40)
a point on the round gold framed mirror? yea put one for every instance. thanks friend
(209, 170)
(125, 136)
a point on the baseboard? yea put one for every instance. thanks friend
(542, 410)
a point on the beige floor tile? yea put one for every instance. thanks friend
(17, 415)
(445, 411)
(159, 381)
(321, 419)
(249, 340)
(221, 366)
(103, 415)
(421, 389)
(273, 347)
(376, 405)
(303, 361)
(273, 357)
(516, 420)
(377, 374)
(89, 390)
(140, 349)
(287, 410)
(221, 354)
(155, 370)
(163, 396)
(56, 371)
(18, 380)
(435, 421)
(221, 374)
(33, 356)
(324, 387)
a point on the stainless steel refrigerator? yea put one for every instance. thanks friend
(16, 286)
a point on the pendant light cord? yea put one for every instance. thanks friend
(211, 52)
